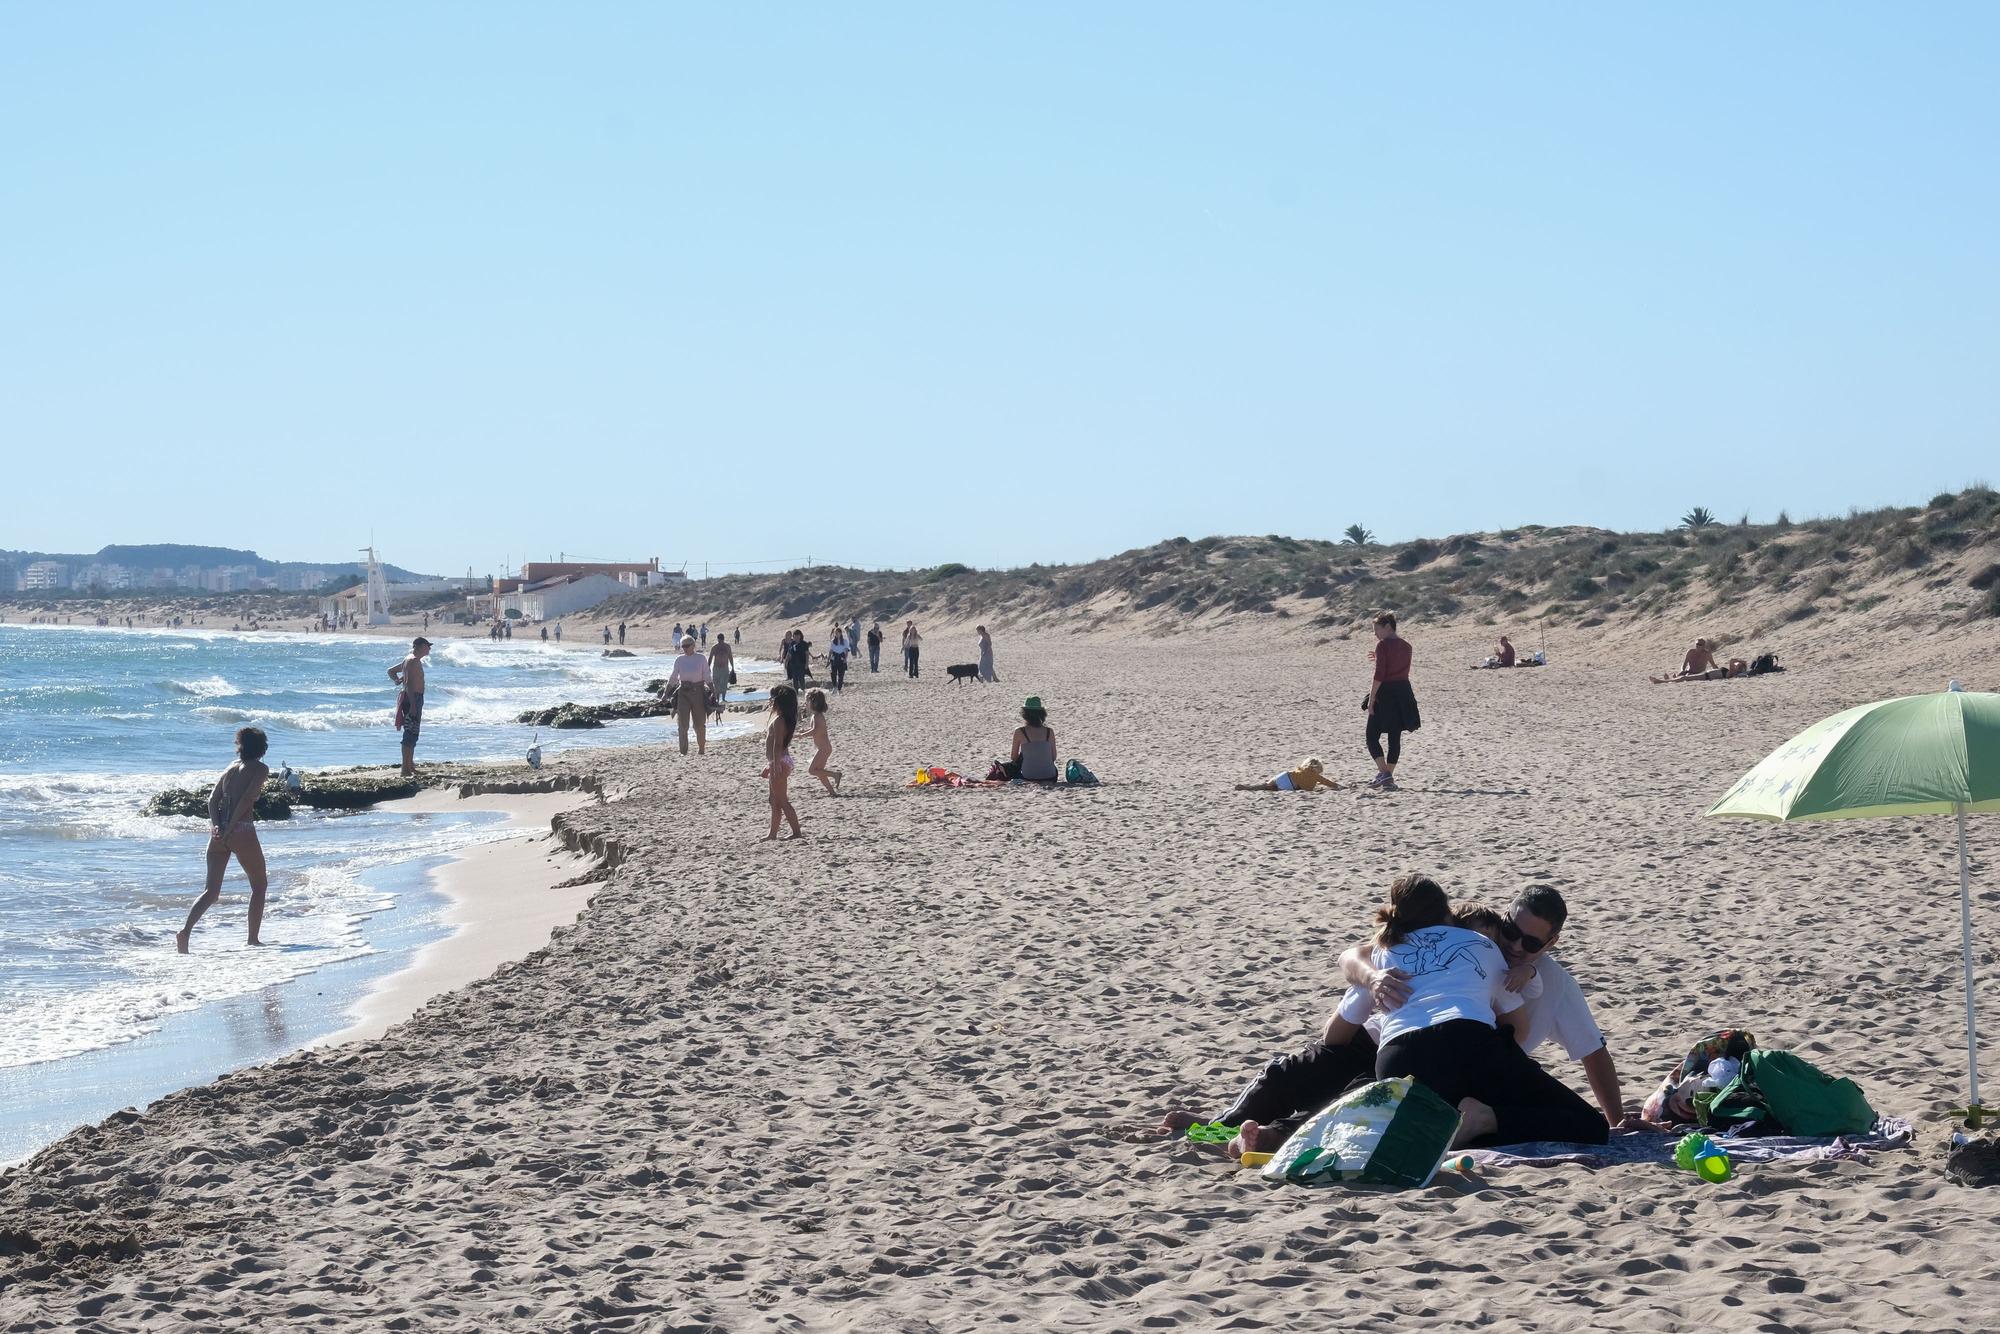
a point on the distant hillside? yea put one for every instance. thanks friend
(176, 555)
(1938, 563)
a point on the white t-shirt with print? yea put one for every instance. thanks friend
(1357, 1006)
(1454, 974)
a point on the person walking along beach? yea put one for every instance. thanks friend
(232, 832)
(875, 647)
(1392, 704)
(689, 682)
(912, 644)
(721, 670)
(779, 729)
(986, 672)
(836, 659)
(409, 675)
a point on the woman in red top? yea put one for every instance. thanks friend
(1391, 703)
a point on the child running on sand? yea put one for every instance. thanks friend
(778, 733)
(231, 831)
(1309, 775)
(822, 744)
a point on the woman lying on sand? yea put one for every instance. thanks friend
(1309, 775)
(232, 831)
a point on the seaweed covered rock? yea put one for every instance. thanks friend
(273, 803)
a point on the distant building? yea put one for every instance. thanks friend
(44, 576)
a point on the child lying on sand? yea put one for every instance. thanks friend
(1309, 775)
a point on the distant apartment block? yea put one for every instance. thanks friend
(44, 576)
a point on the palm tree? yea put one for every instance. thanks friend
(1698, 517)
(1357, 536)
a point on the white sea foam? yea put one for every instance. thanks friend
(208, 687)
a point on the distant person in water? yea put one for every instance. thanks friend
(1391, 703)
(409, 674)
(1309, 775)
(779, 729)
(232, 831)
(822, 744)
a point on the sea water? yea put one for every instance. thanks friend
(93, 722)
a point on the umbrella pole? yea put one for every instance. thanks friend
(1965, 940)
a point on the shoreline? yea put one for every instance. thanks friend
(504, 899)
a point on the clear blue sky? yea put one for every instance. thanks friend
(989, 283)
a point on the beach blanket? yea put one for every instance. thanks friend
(939, 777)
(1889, 1132)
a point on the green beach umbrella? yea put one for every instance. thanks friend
(1919, 755)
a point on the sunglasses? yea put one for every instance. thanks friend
(1532, 944)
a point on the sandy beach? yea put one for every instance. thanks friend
(898, 1076)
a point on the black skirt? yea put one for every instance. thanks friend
(1395, 708)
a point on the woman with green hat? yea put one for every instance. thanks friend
(1034, 757)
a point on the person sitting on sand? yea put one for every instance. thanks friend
(822, 744)
(1033, 758)
(779, 729)
(1293, 1087)
(1504, 654)
(232, 831)
(1309, 775)
(1446, 1034)
(1698, 665)
(1528, 937)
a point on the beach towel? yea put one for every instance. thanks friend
(936, 776)
(1393, 1132)
(402, 709)
(1888, 1132)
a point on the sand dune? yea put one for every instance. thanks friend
(893, 1078)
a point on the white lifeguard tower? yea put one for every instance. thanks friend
(377, 590)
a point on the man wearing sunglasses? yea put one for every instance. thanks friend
(1531, 928)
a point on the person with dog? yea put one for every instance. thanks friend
(986, 672)
(912, 645)
(1033, 758)
(1391, 703)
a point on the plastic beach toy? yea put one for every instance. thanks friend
(1210, 1132)
(1697, 1153)
(1255, 1159)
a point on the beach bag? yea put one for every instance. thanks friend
(1686, 1078)
(997, 773)
(1393, 1132)
(1074, 773)
(1764, 662)
(1782, 1093)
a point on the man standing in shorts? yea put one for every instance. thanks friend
(409, 674)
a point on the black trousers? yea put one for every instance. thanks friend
(910, 660)
(1375, 735)
(838, 669)
(1464, 1058)
(1294, 1086)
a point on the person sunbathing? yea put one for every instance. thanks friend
(1309, 775)
(1698, 665)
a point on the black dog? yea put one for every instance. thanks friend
(964, 671)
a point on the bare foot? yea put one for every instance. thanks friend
(1256, 1137)
(180, 942)
(1176, 1123)
(1476, 1121)
(254, 941)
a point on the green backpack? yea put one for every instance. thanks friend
(1781, 1093)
